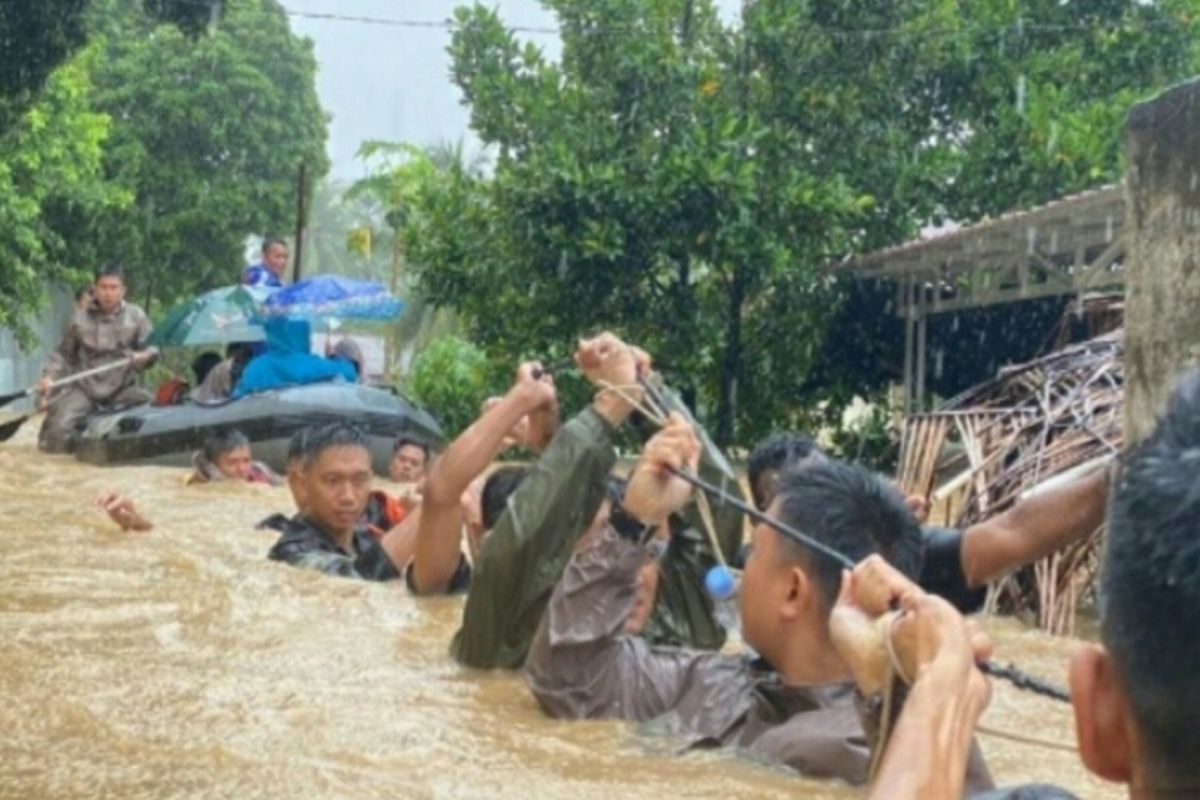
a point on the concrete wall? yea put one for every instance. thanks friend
(19, 369)
(1162, 301)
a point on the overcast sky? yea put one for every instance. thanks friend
(390, 81)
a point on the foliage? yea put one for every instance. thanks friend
(451, 379)
(50, 170)
(210, 133)
(871, 437)
(687, 182)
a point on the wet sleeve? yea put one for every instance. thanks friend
(65, 356)
(942, 572)
(583, 665)
(524, 555)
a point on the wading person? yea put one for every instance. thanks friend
(268, 272)
(793, 703)
(1134, 695)
(410, 457)
(330, 479)
(108, 330)
(226, 456)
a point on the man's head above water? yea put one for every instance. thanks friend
(788, 590)
(770, 457)
(228, 450)
(1136, 697)
(330, 476)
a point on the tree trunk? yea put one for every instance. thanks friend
(731, 361)
(1162, 324)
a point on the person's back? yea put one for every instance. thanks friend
(288, 361)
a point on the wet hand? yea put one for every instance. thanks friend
(145, 357)
(607, 361)
(536, 385)
(934, 644)
(43, 386)
(121, 510)
(919, 507)
(654, 493)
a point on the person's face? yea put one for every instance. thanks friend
(109, 292)
(408, 464)
(275, 258)
(235, 463)
(776, 593)
(336, 486)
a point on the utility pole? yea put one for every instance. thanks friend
(301, 213)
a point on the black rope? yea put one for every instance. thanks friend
(1018, 678)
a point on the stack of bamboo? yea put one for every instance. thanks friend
(988, 447)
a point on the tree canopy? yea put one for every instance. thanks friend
(688, 181)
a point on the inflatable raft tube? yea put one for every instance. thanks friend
(169, 435)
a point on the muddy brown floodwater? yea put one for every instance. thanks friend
(182, 663)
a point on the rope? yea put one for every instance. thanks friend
(1036, 741)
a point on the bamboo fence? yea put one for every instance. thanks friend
(992, 444)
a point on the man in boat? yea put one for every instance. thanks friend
(108, 330)
(330, 481)
(1134, 695)
(794, 702)
(268, 272)
(226, 456)
(218, 383)
(536, 517)
(289, 361)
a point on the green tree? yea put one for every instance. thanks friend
(688, 182)
(208, 136)
(50, 170)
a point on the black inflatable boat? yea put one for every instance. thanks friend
(169, 435)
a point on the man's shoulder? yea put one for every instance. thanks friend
(133, 312)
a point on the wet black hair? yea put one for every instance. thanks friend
(772, 455)
(221, 441)
(295, 450)
(497, 489)
(203, 364)
(408, 440)
(109, 271)
(852, 511)
(1150, 586)
(334, 434)
(270, 240)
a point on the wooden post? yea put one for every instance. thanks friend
(907, 310)
(301, 213)
(1162, 324)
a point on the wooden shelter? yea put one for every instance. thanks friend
(1075, 245)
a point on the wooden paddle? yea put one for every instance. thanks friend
(8, 429)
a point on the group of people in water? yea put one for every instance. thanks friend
(594, 585)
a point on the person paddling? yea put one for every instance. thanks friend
(107, 330)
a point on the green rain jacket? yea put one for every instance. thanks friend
(524, 556)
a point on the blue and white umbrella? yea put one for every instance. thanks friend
(326, 297)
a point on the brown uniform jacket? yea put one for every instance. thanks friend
(94, 338)
(582, 665)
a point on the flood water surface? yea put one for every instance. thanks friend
(182, 663)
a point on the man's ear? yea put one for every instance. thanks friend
(1103, 722)
(797, 593)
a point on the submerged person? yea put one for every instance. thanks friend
(108, 330)
(226, 456)
(1134, 695)
(792, 700)
(410, 457)
(270, 270)
(289, 361)
(330, 479)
